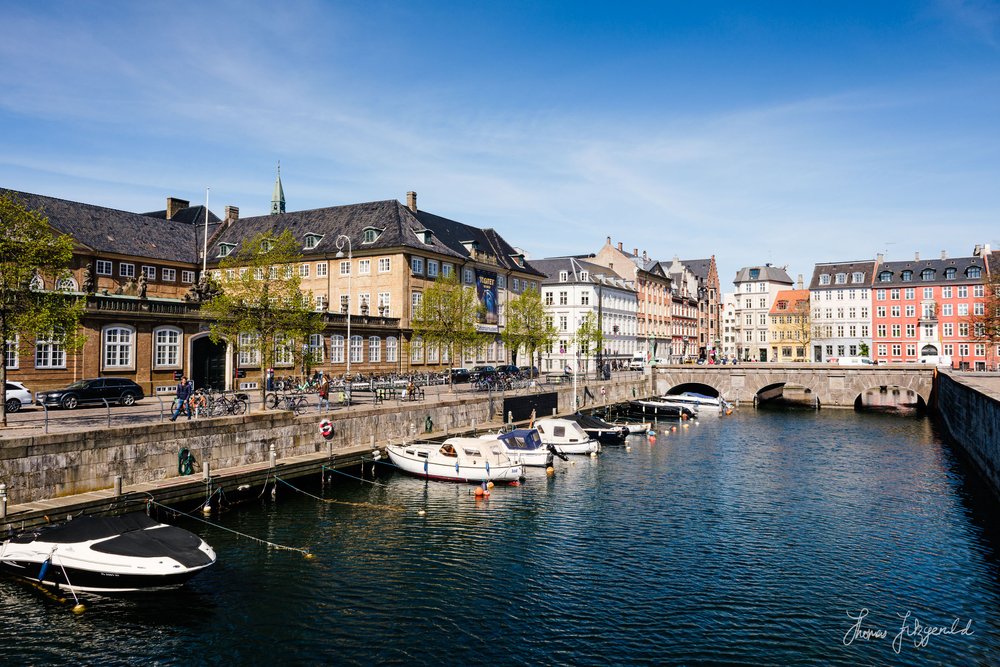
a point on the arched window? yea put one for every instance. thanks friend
(906, 276)
(67, 284)
(417, 350)
(973, 272)
(316, 348)
(927, 274)
(118, 341)
(374, 349)
(337, 349)
(391, 349)
(37, 283)
(949, 273)
(357, 349)
(167, 347)
(885, 277)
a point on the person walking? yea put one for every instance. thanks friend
(324, 392)
(184, 390)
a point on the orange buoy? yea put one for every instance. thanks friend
(489, 485)
(652, 440)
(515, 483)
(550, 470)
(479, 491)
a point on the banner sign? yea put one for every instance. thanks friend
(486, 290)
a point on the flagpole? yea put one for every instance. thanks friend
(204, 249)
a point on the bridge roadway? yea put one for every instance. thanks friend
(829, 384)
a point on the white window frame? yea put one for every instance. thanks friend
(51, 351)
(357, 349)
(167, 352)
(118, 347)
(169, 275)
(336, 349)
(384, 264)
(374, 349)
(417, 265)
(447, 269)
(432, 268)
(364, 267)
(316, 348)
(187, 276)
(11, 352)
(149, 272)
(249, 355)
(345, 268)
(392, 349)
(107, 266)
(304, 270)
(126, 270)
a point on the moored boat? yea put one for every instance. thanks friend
(456, 460)
(662, 408)
(692, 398)
(566, 436)
(112, 554)
(523, 446)
(597, 428)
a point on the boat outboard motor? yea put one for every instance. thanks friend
(556, 452)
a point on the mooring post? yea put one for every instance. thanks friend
(206, 473)
(274, 456)
(118, 485)
(3, 501)
(510, 416)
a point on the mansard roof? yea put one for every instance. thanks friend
(768, 273)
(108, 230)
(395, 224)
(864, 266)
(552, 266)
(939, 268)
(192, 215)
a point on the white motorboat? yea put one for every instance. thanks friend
(634, 428)
(457, 460)
(657, 407)
(691, 398)
(523, 446)
(599, 429)
(113, 554)
(566, 436)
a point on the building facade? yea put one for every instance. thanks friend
(840, 296)
(756, 289)
(790, 328)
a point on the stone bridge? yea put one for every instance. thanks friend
(829, 384)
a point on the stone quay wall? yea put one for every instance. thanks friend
(63, 464)
(969, 409)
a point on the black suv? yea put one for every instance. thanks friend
(460, 375)
(114, 390)
(509, 370)
(482, 372)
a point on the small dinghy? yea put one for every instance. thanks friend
(106, 554)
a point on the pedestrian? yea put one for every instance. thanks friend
(270, 379)
(184, 389)
(324, 392)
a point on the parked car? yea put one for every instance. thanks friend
(16, 395)
(481, 372)
(529, 371)
(97, 390)
(509, 370)
(460, 375)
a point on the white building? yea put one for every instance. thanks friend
(729, 328)
(574, 288)
(756, 289)
(840, 297)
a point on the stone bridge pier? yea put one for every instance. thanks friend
(829, 384)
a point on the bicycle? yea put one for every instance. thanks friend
(221, 404)
(297, 403)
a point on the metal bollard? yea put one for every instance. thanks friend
(510, 416)
(118, 485)
(205, 471)
(108, 406)
(3, 501)
(274, 456)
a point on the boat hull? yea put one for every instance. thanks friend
(95, 581)
(407, 460)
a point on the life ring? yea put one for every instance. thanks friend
(326, 428)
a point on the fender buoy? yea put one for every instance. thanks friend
(326, 428)
(185, 462)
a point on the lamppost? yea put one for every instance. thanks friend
(343, 238)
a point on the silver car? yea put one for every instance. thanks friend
(16, 396)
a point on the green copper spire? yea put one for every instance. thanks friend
(278, 198)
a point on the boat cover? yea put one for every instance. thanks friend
(171, 541)
(590, 421)
(522, 439)
(87, 528)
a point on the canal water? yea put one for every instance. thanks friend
(756, 539)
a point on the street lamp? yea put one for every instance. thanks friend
(341, 240)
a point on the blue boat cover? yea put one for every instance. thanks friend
(524, 439)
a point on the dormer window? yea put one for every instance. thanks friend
(949, 273)
(754, 274)
(518, 260)
(841, 278)
(563, 276)
(312, 240)
(371, 234)
(906, 276)
(266, 245)
(584, 276)
(471, 247)
(857, 277)
(225, 249)
(885, 277)
(973, 272)
(927, 274)
(782, 305)
(824, 279)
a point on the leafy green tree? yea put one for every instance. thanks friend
(527, 325)
(32, 254)
(446, 316)
(259, 294)
(589, 336)
(984, 327)
(863, 349)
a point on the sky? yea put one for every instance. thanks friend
(783, 132)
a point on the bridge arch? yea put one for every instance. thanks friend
(696, 387)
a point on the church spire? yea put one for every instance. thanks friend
(278, 198)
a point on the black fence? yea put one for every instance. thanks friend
(520, 407)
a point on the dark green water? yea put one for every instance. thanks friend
(743, 540)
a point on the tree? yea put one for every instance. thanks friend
(527, 325)
(589, 336)
(863, 349)
(259, 296)
(446, 316)
(32, 254)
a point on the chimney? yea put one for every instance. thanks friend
(174, 206)
(645, 257)
(411, 201)
(620, 247)
(799, 286)
(916, 257)
(635, 252)
(944, 254)
(609, 241)
(232, 215)
(879, 258)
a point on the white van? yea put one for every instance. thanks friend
(936, 359)
(638, 362)
(854, 361)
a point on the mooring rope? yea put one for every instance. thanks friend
(275, 545)
(394, 508)
(355, 477)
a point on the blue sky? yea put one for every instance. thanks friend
(790, 133)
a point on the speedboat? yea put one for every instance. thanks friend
(106, 554)
(456, 460)
(566, 436)
(597, 428)
(523, 446)
(663, 408)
